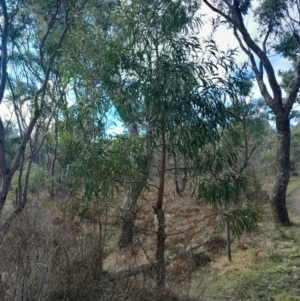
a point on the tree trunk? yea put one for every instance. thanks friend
(161, 234)
(183, 181)
(4, 188)
(160, 249)
(179, 185)
(131, 198)
(127, 228)
(175, 174)
(278, 192)
(227, 232)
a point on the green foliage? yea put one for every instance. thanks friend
(270, 13)
(295, 147)
(245, 6)
(218, 189)
(37, 179)
(221, 185)
(156, 71)
(241, 220)
(288, 46)
(11, 147)
(101, 167)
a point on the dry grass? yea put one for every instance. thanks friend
(54, 252)
(293, 184)
(182, 227)
(264, 266)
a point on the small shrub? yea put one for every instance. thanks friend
(37, 179)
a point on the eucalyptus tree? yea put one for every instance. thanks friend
(250, 123)
(96, 60)
(32, 35)
(12, 138)
(277, 33)
(148, 60)
(175, 79)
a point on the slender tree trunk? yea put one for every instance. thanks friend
(227, 232)
(131, 198)
(4, 171)
(180, 184)
(161, 234)
(183, 181)
(278, 192)
(53, 187)
(175, 174)
(4, 188)
(54, 152)
(127, 228)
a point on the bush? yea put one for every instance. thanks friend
(37, 179)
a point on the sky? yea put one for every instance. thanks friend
(224, 39)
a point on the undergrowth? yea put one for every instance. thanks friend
(265, 266)
(53, 254)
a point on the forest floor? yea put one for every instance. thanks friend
(293, 197)
(265, 264)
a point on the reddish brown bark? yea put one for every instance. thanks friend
(161, 233)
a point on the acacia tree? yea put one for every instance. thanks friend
(31, 38)
(277, 33)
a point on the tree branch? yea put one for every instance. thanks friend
(3, 166)
(24, 141)
(4, 35)
(49, 27)
(42, 90)
(213, 8)
(239, 24)
(293, 94)
(15, 106)
(263, 88)
(277, 94)
(261, 70)
(54, 53)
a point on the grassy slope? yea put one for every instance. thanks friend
(265, 266)
(294, 184)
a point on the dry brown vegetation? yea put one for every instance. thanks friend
(63, 251)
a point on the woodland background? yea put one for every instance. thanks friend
(194, 196)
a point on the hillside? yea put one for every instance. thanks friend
(265, 263)
(58, 254)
